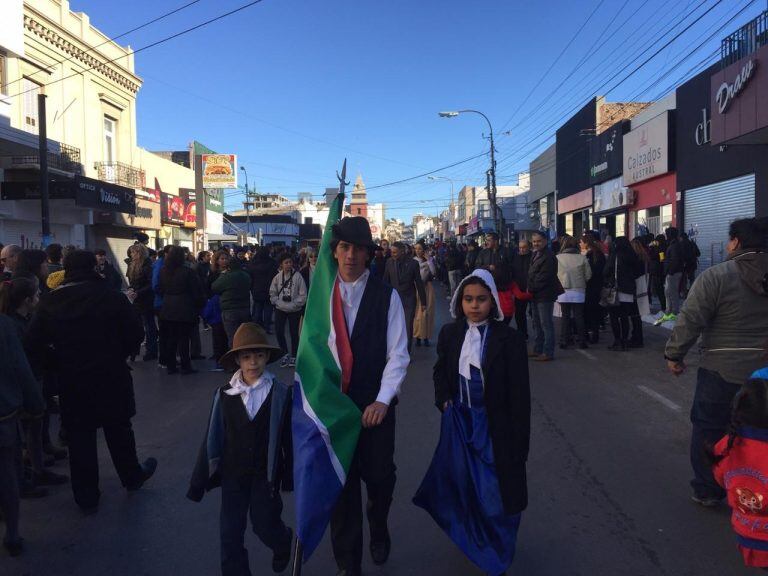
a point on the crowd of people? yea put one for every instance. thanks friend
(70, 325)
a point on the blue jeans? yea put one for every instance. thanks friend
(544, 326)
(710, 416)
(262, 313)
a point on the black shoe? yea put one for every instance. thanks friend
(14, 547)
(55, 451)
(197, 357)
(147, 469)
(281, 560)
(89, 510)
(185, 371)
(426, 342)
(617, 347)
(48, 478)
(380, 551)
(631, 344)
(418, 342)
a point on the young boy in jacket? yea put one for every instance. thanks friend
(247, 452)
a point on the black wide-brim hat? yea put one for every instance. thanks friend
(355, 230)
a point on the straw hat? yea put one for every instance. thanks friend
(250, 336)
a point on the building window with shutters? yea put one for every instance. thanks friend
(29, 111)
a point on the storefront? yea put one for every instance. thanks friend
(719, 182)
(610, 197)
(541, 196)
(574, 213)
(648, 173)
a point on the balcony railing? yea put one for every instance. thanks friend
(122, 174)
(68, 160)
(745, 41)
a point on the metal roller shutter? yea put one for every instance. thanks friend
(709, 211)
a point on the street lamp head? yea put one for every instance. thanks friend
(451, 114)
(242, 168)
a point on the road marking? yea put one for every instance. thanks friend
(585, 353)
(663, 399)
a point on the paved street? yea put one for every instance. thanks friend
(608, 481)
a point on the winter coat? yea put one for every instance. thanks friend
(521, 263)
(182, 294)
(542, 277)
(19, 389)
(262, 271)
(454, 259)
(111, 275)
(207, 472)
(141, 282)
(92, 329)
(502, 269)
(630, 269)
(728, 307)
(293, 286)
(674, 259)
(656, 253)
(234, 287)
(573, 270)
(507, 400)
(507, 299)
(742, 473)
(596, 261)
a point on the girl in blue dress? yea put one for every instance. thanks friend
(475, 488)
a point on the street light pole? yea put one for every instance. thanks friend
(492, 190)
(247, 204)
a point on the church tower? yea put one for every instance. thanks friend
(359, 204)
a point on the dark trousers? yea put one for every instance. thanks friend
(710, 416)
(195, 345)
(410, 313)
(657, 285)
(620, 321)
(572, 314)
(238, 499)
(293, 319)
(84, 461)
(218, 341)
(10, 476)
(163, 340)
(521, 317)
(593, 314)
(374, 464)
(150, 332)
(637, 324)
(262, 313)
(179, 338)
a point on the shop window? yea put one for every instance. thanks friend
(29, 111)
(110, 139)
(666, 216)
(569, 224)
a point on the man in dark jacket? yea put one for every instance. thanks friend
(404, 275)
(107, 271)
(691, 255)
(92, 330)
(496, 260)
(521, 263)
(263, 268)
(675, 267)
(454, 263)
(545, 287)
(234, 289)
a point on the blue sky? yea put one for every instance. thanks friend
(294, 86)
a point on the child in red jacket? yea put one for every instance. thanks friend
(741, 467)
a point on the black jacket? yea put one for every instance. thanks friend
(542, 277)
(112, 276)
(596, 261)
(521, 263)
(507, 401)
(630, 268)
(182, 294)
(674, 258)
(404, 276)
(502, 270)
(92, 330)
(262, 271)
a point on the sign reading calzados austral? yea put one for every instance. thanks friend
(219, 170)
(647, 150)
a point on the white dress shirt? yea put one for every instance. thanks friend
(397, 335)
(253, 397)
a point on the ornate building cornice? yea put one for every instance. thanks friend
(69, 48)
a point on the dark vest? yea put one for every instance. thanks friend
(369, 343)
(246, 441)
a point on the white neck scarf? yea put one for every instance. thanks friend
(471, 349)
(238, 387)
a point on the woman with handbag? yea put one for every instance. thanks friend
(424, 320)
(619, 290)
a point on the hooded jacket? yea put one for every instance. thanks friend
(728, 307)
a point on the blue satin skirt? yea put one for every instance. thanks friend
(461, 490)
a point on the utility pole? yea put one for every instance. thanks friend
(43, 152)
